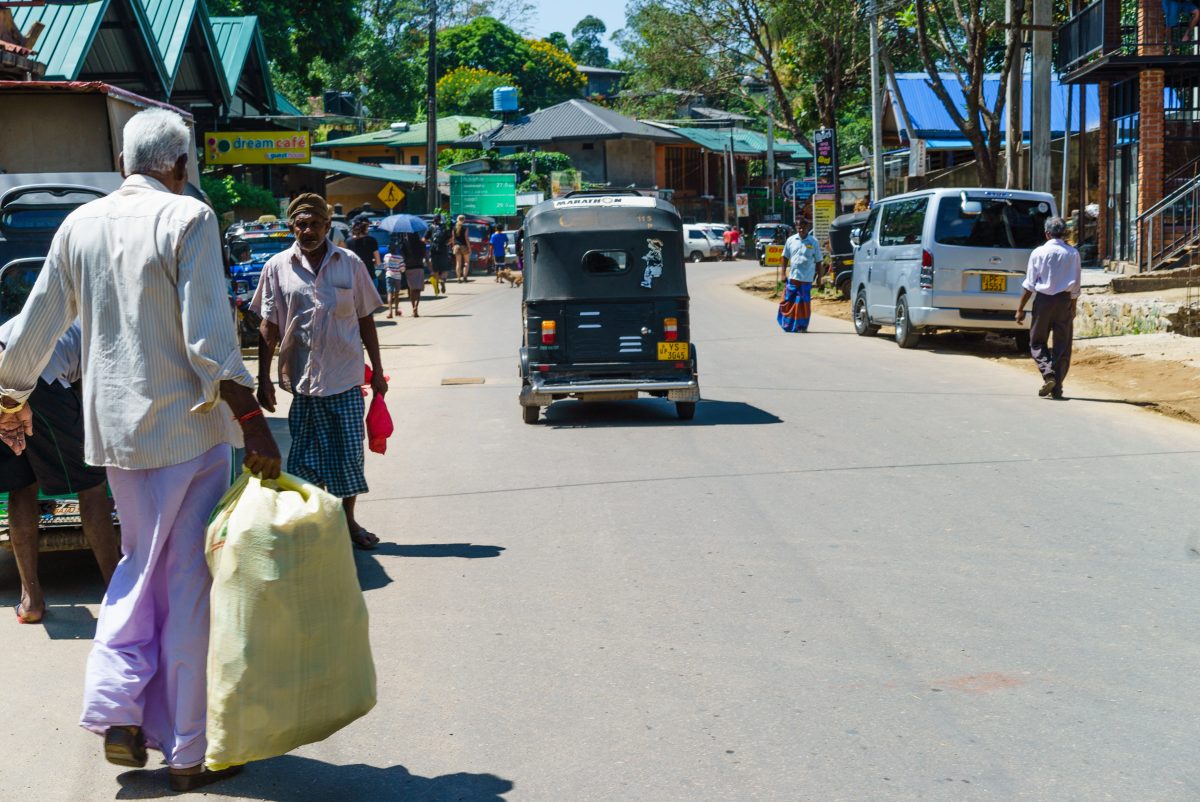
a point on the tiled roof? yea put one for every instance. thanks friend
(573, 120)
(449, 129)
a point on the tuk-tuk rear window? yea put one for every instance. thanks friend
(37, 218)
(605, 262)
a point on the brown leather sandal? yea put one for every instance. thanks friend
(190, 782)
(125, 746)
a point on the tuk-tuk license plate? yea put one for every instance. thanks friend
(993, 282)
(672, 352)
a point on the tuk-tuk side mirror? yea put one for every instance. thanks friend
(856, 237)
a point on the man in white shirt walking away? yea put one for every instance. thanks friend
(1053, 280)
(162, 373)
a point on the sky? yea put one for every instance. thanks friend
(561, 15)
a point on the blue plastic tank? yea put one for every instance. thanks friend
(504, 98)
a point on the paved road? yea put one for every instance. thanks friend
(860, 574)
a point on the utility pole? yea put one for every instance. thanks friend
(770, 156)
(431, 156)
(877, 186)
(1039, 123)
(1014, 131)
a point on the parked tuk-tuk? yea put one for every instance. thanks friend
(605, 303)
(841, 250)
(32, 206)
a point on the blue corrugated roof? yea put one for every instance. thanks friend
(928, 118)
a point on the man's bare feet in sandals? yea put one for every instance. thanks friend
(27, 613)
(362, 539)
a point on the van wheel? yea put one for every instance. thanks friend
(1022, 342)
(906, 335)
(697, 256)
(530, 414)
(863, 326)
(686, 410)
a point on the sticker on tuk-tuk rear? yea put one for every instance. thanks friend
(591, 201)
(654, 262)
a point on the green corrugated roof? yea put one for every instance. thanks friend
(745, 142)
(65, 42)
(399, 174)
(285, 106)
(236, 38)
(449, 129)
(170, 23)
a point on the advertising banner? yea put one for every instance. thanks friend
(742, 201)
(774, 256)
(256, 147)
(824, 210)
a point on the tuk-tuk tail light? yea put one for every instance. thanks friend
(549, 332)
(670, 329)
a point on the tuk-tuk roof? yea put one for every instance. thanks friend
(560, 233)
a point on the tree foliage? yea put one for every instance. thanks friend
(468, 90)
(585, 42)
(544, 74)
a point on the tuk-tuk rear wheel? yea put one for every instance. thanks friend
(686, 410)
(530, 414)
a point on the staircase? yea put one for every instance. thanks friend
(1169, 231)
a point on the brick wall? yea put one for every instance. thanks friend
(1150, 138)
(1152, 28)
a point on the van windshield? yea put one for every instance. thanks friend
(1004, 223)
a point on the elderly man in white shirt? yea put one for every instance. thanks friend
(162, 373)
(53, 463)
(1053, 280)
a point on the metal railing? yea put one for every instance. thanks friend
(1082, 36)
(1169, 227)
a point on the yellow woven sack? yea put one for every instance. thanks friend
(289, 661)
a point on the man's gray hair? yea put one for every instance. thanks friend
(1056, 227)
(154, 140)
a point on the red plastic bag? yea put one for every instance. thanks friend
(379, 425)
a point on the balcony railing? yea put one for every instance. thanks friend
(1096, 32)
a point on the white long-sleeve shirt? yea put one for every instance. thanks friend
(1053, 268)
(142, 271)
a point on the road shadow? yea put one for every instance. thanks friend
(991, 346)
(372, 575)
(459, 315)
(379, 324)
(70, 581)
(652, 412)
(291, 778)
(1124, 401)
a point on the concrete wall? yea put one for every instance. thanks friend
(588, 162)
(631, 161)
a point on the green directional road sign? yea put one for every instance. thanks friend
(491, 194)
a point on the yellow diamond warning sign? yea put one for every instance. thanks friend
(391, 195)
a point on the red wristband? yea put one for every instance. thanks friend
(254, 413)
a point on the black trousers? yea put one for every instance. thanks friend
(1052, 318)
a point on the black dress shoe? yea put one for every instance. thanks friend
(190, 782)
(1047, 387)
(125, 746)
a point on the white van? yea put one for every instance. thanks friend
(946, 259)
(699, 243)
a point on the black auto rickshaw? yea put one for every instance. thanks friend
(841, 250)
(605, 303)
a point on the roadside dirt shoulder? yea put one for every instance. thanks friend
(1160, 372)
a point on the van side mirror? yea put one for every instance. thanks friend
(856, 237)
(971, 208)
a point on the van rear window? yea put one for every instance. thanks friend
(1004, 223)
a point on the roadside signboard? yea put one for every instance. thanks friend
(256, 147)
(774, 255)
(488, 194)
(742, 201)
(824, 210)
(917, 158)
(391, 195)
(564, 181)
(826, 157)
(799, 188)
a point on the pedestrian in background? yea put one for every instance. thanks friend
(1054, 279)
(395, 268)
(438, 239)
(414, 272)
(163, 386)
(727, 241)
(499, 242)
(801, 254)
(316, 302)
(735, 241)
(461, 242)
(366, 247)
(53, 463)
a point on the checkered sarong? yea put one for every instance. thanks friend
(327, 441)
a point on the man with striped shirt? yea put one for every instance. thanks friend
(163, 387)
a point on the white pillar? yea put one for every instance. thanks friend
(1039, 123)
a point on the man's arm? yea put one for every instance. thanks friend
(268, 341)
(47, 313)
(370, 340)
(262, 452)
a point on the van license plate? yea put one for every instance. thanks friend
(993, 282)
(672, 352)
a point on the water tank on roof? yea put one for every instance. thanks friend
(504, 98)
